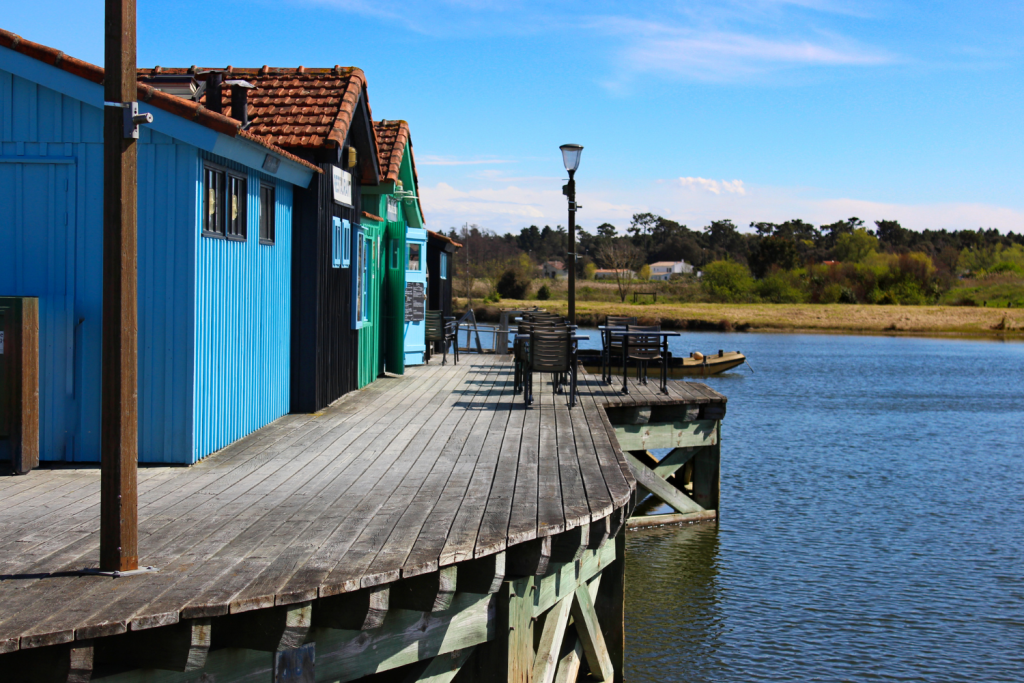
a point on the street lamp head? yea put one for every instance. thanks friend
(571, 156)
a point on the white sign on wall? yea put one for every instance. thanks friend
(392, 209)
(342, 186)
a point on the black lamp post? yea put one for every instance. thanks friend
(571, 158)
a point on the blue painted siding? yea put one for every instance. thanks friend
(243, 314)
(213, 315)
(168, 176)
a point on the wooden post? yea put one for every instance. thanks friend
(119, 403)
(509, 658)
(19, 380)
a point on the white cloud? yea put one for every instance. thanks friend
(713, 186)
(510, 206)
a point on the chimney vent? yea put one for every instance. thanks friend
(240, 100)
(214, 79)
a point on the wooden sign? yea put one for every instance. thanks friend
(342, 185)
(415, 302)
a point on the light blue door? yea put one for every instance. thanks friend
(415, 281)
(37, 258)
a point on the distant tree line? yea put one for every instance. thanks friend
(912, 266)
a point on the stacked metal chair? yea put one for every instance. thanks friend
(612, 345)
(444, 330)
(551, 350)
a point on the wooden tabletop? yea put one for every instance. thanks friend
(412, 473)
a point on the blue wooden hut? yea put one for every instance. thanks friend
(322, 116)
(214, 256)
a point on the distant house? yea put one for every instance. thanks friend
(610, 274)
(664, 270)
(215, 246)
(553, 269)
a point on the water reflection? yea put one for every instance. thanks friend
(679, 567)
(871, 527)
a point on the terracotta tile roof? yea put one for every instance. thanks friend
(178, 106)
(443, 238)
(292, 107)
(392, 137)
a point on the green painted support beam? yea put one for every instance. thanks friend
(589, 630)
(661, 488)
(668, 465)
(667, 435)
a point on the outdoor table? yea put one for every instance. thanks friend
(620, 332)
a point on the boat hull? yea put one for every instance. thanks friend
(678, 367)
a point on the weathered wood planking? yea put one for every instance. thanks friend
(411, 474)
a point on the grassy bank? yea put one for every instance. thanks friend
(847, 318)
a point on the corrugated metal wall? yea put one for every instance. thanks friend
(242, 314)
(52, 175)
(168, 177)
(394, 305)
(369, 333)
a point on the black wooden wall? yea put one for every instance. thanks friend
(325, 348)
(439, 291)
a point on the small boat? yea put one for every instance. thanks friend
(694, 365)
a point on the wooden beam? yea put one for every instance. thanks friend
(569, 664)
(529, 559)
(668, 465)
(68, 663)
(181, 647)
(358, 611)
(508, 653)
(405, 637)
(431, 592)
(119, 442)
(583, 615)
(645, 521)
(667, 435)
(441, 669)
(610, 607)
(564, 579)
(19, 322)
(482, 575)
(661, 488)
(549, 648)
(629, 415)
(568, 546)
(599, 530)
(706, 476)
(267, 630)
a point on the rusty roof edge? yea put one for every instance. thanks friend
(186, 109)
(443, 237)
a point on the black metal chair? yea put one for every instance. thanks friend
(642, 350)
(552, 351)
(443, 330)
(611, 345)
(520, 349)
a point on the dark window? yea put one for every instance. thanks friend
(236, 204)
(213, 187)
(224, 201)
(267, 214)
(414, 257)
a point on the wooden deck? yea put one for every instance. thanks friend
(438, 467)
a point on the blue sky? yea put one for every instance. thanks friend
(741, 109)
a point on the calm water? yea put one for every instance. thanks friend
(872, 520)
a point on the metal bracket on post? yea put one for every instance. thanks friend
(132, 118)
(295, 665)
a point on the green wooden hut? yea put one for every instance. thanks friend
(397, 210)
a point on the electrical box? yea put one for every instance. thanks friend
(19, 382)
